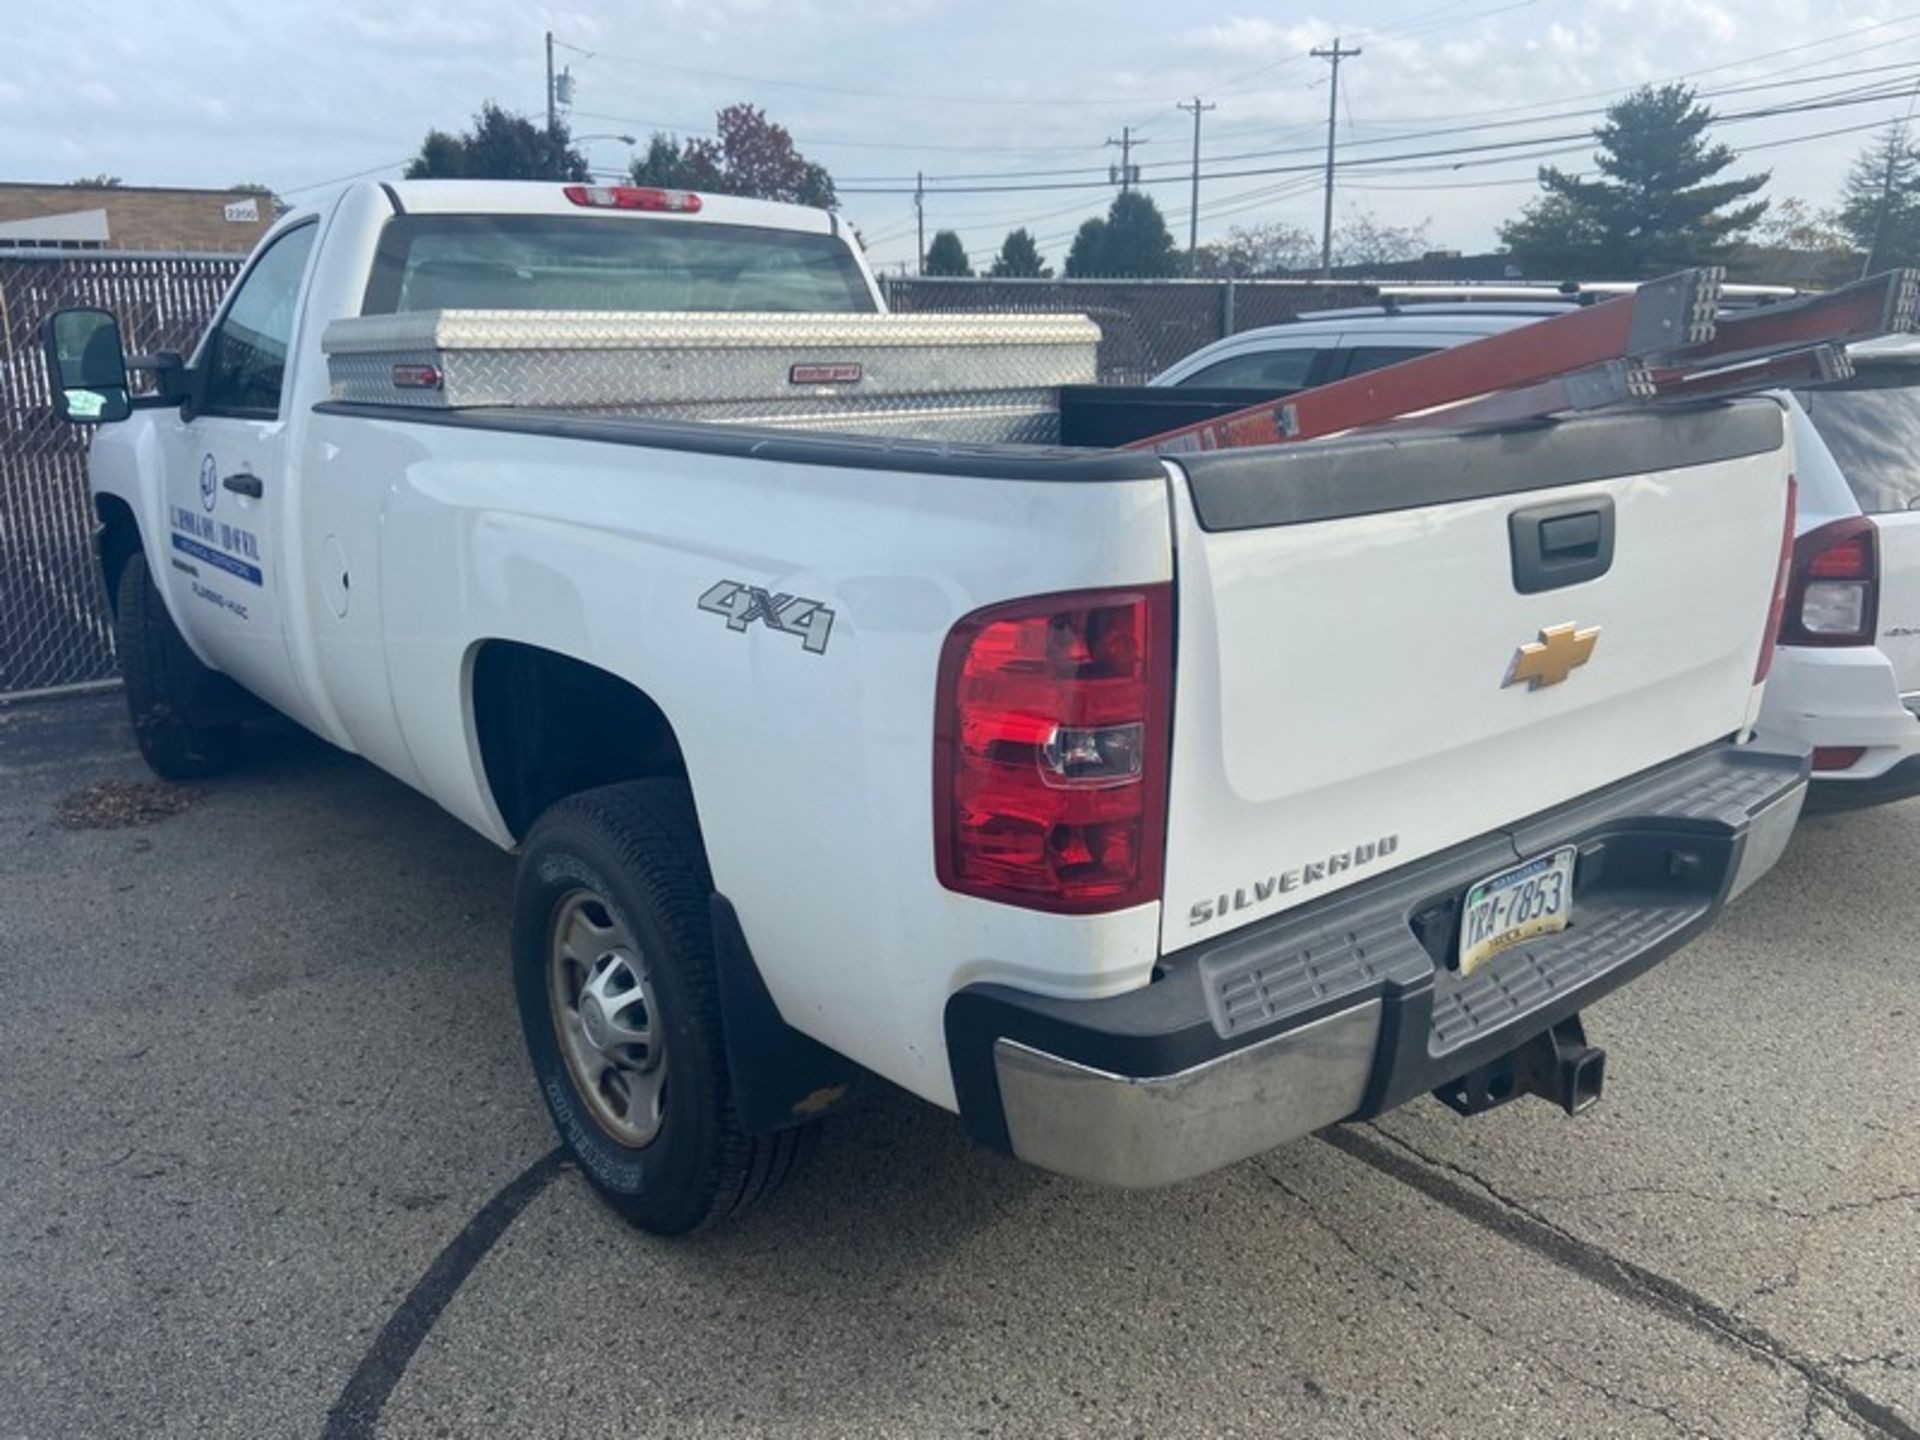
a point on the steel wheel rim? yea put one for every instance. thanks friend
(606, 1018)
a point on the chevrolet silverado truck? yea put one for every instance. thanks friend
(1148, 812)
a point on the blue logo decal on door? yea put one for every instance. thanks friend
(209, 483)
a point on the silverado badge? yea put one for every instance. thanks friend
(1560, 650)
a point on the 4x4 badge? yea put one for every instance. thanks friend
(1560, 650)
(743, 605)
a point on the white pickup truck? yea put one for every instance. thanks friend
(1148, 812)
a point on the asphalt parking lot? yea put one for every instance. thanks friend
(271, 1164)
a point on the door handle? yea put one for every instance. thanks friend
(245, 484)
(1561, 544)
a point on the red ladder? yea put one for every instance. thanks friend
(1664, 340)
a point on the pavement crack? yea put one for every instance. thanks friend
(1420, 1297)
(1732, 1202)
(1888, 1359)
(1476, 1198)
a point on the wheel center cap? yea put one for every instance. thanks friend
(594, 1018)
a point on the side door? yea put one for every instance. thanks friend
(224, 465)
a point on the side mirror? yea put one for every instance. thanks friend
(172, 384)
(87, 366)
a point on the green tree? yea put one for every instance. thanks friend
(669, 165)
(1655, 206)
(1020, 258)
(1880, 206)
(748, 155)
(1138, 245)
(1131, 243)
(1087, 258)
(500, 146)
(946, 256)
(98, 182)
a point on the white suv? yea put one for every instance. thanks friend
(1846, 679)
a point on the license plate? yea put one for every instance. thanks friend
(1534, 898)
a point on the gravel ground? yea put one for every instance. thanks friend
(271, 1164)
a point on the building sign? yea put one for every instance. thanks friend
(243, 212)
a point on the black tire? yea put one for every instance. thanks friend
(636, 846)
(169, 692)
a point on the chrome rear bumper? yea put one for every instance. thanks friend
(1341, 1009)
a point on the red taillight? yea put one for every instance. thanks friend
(634, 197)
(1848, 559)
(1780, 581)
(1833, 597)
(1050, 750)
(1837, 757)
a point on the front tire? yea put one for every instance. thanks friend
(614, 971)
(168, 690)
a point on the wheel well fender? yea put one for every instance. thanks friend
(548, 726)
(119, 541)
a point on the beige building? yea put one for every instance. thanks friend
(130, 217)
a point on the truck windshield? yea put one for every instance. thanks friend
(1873, 431)
(597, 262)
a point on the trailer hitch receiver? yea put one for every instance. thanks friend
(1558, 1065)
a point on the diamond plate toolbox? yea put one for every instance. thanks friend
(726, 366)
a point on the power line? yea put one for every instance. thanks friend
(1491, 120)
(682, 127)
(855, 92)
(1583, 137)
(1906, 67)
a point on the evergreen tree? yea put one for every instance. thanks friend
(1880, 206)
(500, 146)
(1020, 258)
(1132, 242)
(1656, 206)
(946, 256)
(1138, 245)
(1087, 259)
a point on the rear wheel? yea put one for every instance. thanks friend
(613, 965)
(169, 692)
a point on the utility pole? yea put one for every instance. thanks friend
(1193, 214)
(553, 122)
(1336, 55)
(1126, 174)
(920, 221)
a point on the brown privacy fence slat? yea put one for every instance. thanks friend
(54, 628)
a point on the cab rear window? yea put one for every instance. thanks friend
(1873, 431)
(606, 262)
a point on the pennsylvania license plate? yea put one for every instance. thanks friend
(1535, 898)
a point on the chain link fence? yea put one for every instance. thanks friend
(54, 626)
(1145, 325)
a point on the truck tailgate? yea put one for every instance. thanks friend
(1394, 644)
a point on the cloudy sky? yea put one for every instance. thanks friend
(1451, 105)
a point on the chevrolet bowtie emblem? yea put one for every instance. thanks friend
(1560, 650)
